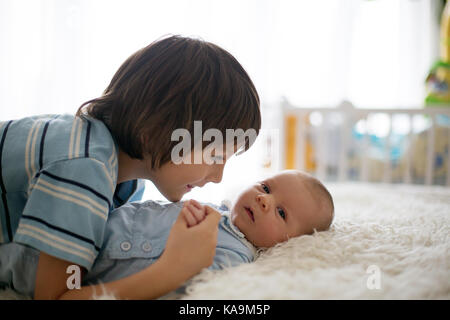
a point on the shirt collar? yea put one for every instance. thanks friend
(233, 229)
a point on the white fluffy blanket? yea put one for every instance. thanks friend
(401, 231)
(387, 242)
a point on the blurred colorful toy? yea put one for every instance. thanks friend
(438, 80)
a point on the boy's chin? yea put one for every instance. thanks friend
(173, 197)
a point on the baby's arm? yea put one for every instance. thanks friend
(226, 258)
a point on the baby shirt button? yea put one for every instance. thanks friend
(125, 246)
(146, 246)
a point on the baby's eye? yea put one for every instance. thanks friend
(281, 213)
(265, 188)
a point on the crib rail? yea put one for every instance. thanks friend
(299, 126)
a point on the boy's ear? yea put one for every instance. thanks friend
(144, 140)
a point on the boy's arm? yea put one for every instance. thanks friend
(149, 283)
(188, 250)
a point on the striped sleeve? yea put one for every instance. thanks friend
(67, 209)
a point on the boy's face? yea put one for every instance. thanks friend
(275, 209)
(174, 180)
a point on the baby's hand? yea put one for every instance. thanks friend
(193, 212)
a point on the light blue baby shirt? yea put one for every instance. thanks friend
(135, 237)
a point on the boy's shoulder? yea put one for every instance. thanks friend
(147, 207)
(65, 137)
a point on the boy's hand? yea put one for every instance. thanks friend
(193, 212)
(190, 249)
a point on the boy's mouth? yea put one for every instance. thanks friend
(190, 187)
(250, 213)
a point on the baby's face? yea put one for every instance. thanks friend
(275, 209)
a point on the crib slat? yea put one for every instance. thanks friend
(429, 173)
(407, 173)
(321, 154)
(365, 152)
(300, 152)
(448, 158)
(345, 135)
(388, 163)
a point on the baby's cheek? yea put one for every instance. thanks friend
(272, 235)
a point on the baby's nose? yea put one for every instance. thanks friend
(263, 201)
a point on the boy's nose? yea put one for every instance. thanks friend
(264, 201)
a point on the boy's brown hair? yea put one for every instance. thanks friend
(168, 85)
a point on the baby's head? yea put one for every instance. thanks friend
(286, 205)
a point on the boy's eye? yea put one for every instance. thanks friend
(265, 188)
(281, 213)
(217, 159)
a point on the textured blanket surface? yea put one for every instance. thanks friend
(386, 242)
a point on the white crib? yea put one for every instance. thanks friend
(370, 145)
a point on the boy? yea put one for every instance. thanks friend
(61, 175)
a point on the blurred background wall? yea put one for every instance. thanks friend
(57, 54)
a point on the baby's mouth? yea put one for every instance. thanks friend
(250, 213)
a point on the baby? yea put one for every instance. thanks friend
(286, 205)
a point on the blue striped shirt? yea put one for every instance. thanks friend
(58, 176)
(135, 237)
